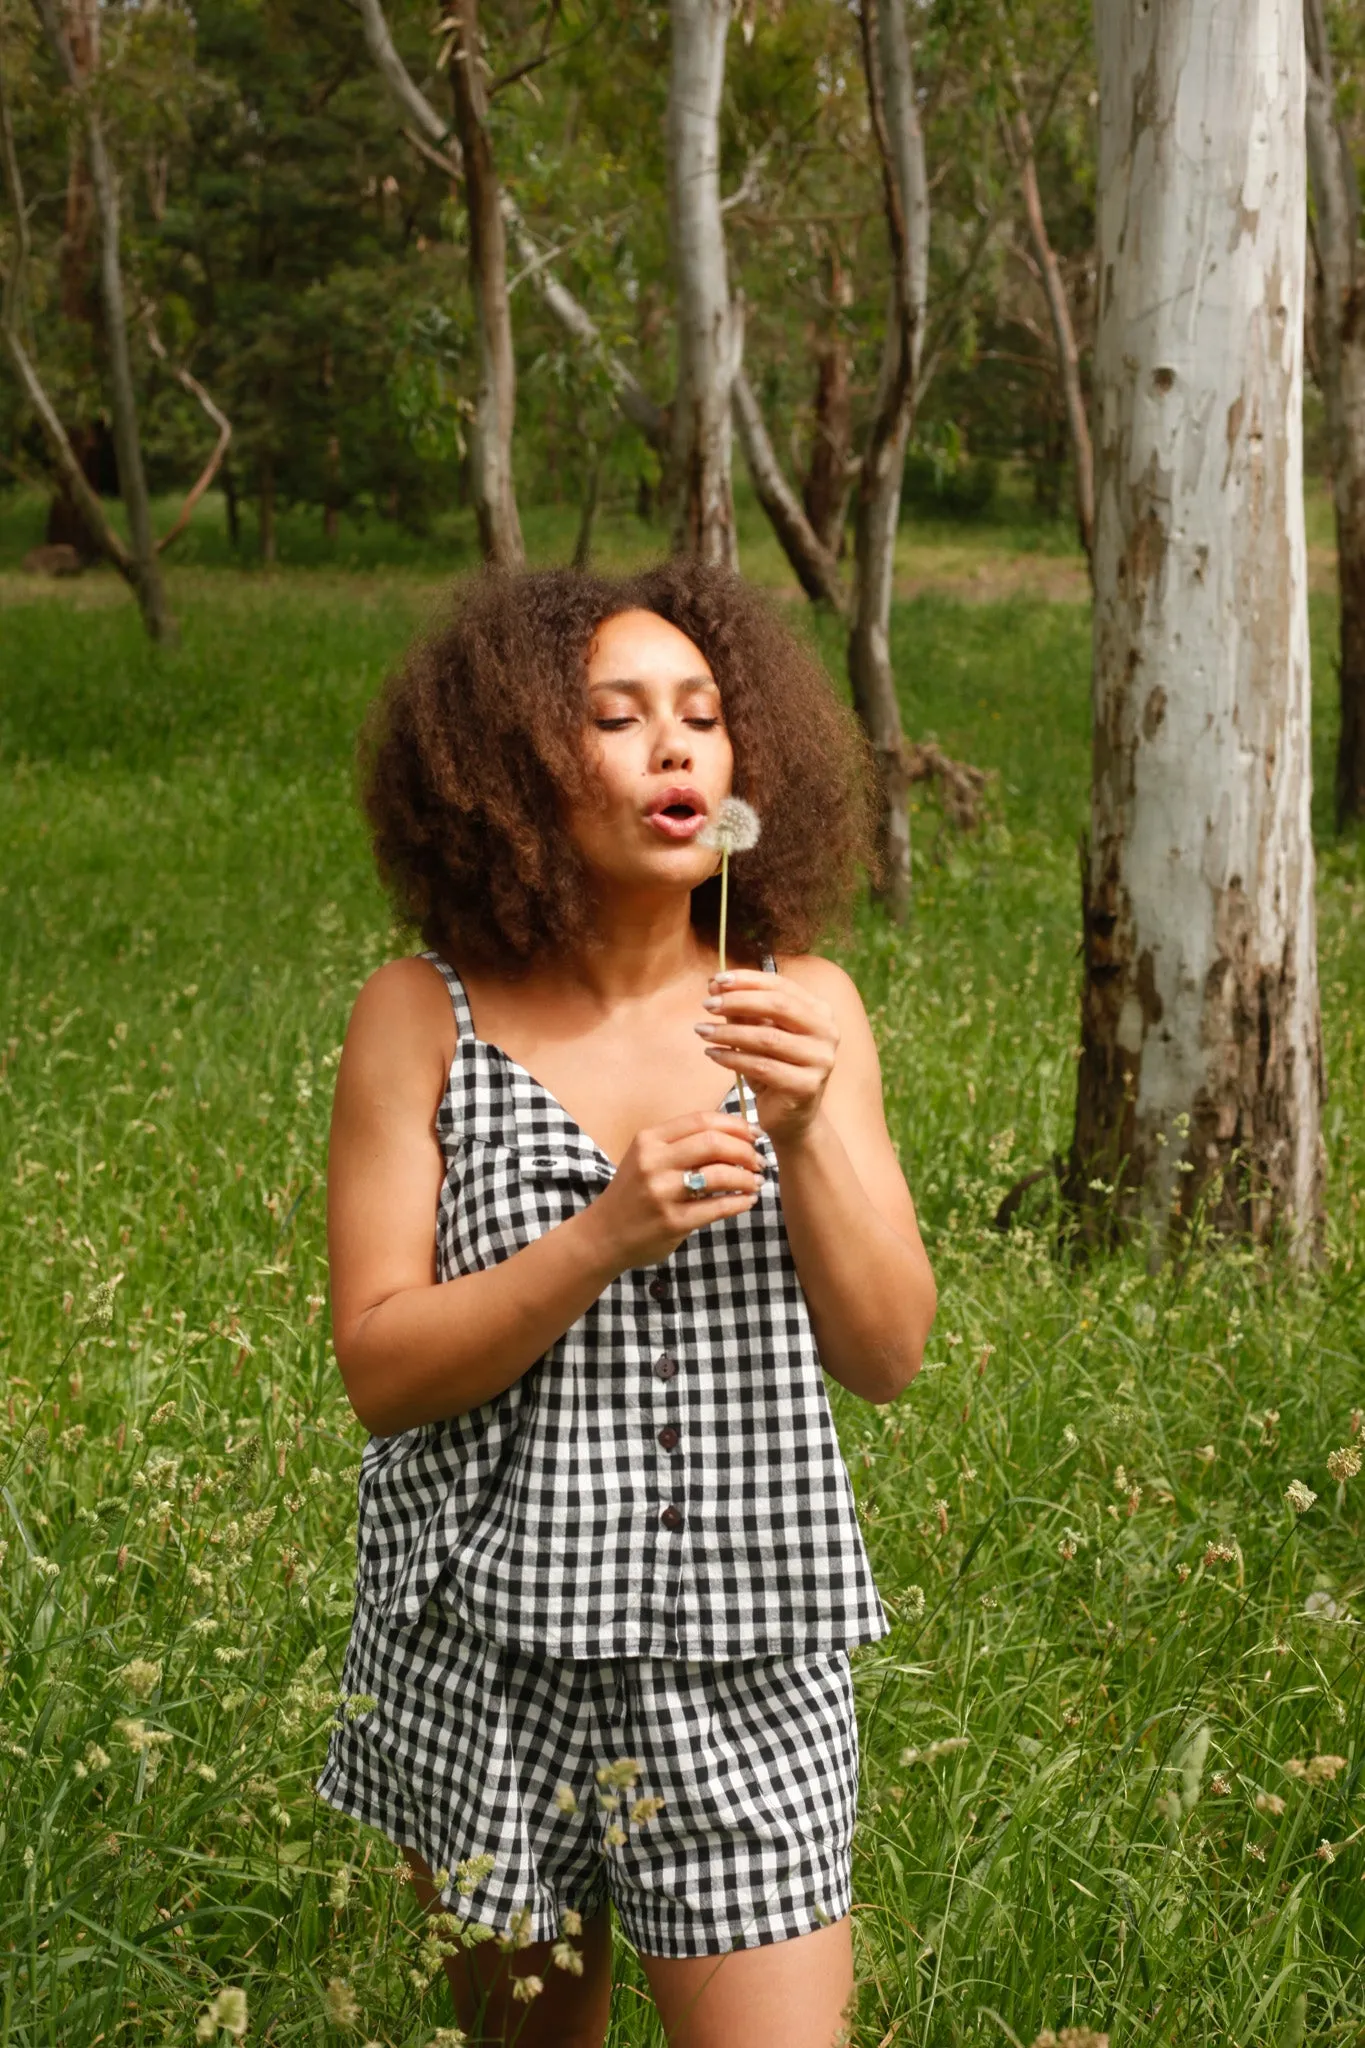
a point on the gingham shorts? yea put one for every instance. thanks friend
(470, 1743)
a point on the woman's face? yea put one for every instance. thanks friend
(657, 739)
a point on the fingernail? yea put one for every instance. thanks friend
(705, 1030)
(712, 1003)
(721, 980)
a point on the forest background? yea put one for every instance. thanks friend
(1112, 1758)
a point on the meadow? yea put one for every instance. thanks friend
(1114, 1748)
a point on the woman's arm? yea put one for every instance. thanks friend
(411, 1350)
(849, 1215)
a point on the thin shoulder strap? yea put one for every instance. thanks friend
(769, 964)
(464, 1022)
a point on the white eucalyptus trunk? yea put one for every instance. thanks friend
(709, 329)
(495, 407)
(1201, 1069)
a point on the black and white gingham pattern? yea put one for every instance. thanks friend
(555, 1517)
(469, 1743)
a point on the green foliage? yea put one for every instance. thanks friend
(1116, 1649)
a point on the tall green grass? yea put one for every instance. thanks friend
(1116, 1647)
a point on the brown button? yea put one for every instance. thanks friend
(672, 1518)
(658, 1287)
(665, 1365)
(668, 1437)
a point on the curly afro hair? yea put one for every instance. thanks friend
(478, 739)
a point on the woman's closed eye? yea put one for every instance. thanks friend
(619, 723)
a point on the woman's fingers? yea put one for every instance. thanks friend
(801, 1083)
(770, 1040)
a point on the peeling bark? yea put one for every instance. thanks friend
(895, 122)
(1200, 1078)
(709, 328)
(1340, 334)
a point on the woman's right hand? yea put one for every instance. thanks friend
(647, 1212)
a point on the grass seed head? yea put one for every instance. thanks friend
(1299, 1496)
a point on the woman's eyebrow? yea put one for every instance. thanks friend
(641, 689)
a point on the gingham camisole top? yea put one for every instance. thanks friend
(666, 1480)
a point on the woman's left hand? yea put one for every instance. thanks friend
(781, 1038)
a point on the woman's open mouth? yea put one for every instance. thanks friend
(679, 814)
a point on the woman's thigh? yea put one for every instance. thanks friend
(571, 2012)
(797, 1992)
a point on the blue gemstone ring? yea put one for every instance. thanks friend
(695, 1182)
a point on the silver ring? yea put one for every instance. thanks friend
(694, 1180)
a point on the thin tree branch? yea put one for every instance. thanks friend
(219, 419)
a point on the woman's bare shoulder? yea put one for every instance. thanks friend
(402, 1020)
(824, 978)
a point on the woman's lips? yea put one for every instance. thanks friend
(669, 827)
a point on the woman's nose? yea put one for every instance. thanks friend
(672, 754)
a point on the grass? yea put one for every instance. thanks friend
(1116, 1648)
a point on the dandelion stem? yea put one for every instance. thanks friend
(724, 907)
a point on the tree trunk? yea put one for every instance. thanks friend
(895, 122)
(1340, 306)
(1068, 356)
(495, 504)
(148, 582)
(816, 569)
(1200, 1077)
(267, 504)
(709, 331)
(825, 490)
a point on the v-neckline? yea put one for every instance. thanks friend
(487, 1043)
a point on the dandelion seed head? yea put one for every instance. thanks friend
(733, 827)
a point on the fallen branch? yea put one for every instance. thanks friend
(962, 784)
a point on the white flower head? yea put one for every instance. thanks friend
(1299, 1496)
(733, 829)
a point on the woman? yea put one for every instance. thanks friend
(608, 1565)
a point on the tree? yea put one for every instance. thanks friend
(900, 142)
(708, 326)
(1339, 304)
(1200, 1075)
(80, 77)
(495, 503)
(1018, 134)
